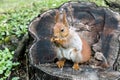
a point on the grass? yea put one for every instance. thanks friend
(6, 63)
(15, 15)
(6, 5)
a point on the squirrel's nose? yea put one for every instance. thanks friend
(55, 36)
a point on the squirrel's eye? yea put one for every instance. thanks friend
(62, 30)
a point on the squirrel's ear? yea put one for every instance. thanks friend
(57, 16)
(64, 19)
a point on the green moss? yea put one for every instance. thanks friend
(99, 2)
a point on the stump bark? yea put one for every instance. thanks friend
(103, 36)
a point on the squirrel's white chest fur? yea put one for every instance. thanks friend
(72, 49)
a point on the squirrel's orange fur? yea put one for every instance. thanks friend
(86, 51)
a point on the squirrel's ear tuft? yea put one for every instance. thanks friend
(64, 19)
(57, 16)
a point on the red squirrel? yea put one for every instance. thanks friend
(69, 45)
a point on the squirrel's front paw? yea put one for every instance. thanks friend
(52, 39)
(76, 66)
(60, 63)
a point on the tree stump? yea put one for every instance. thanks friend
(103, 36)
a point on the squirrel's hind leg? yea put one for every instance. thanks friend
(76, 66)
(61, 63)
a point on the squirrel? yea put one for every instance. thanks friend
(68, 44)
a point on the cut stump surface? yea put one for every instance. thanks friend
(103, 36)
